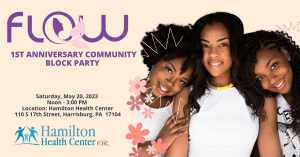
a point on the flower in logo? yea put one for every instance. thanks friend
(137, 153)
(137, 86)
(159, 146)
(135, 103)
(151, 149)
(149, 98)
(137, 134)
(147, 113)
(77, 31)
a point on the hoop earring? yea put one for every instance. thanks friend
(148, 77)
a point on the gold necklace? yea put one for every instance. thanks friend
(219, 88)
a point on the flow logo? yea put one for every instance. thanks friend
(27, 135)
(78, 31)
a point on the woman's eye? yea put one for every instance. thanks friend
(224, 45)
(204, 46)
(182, 82)
(273, 66)
(260, 78)
(169, 70)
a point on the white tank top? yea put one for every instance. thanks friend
(223, 127)
(289, 141)
(156, 123)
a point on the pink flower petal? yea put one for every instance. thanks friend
(130, 136)
(156, 152)
(143, 89)
(137, 98)
(146, 116)
(161, 150)
(134, 141)
(134, 150)
(132, 107)
(129, 103)
(137, 107)
(150, 116)
(139, 103)
(78, 29)
(80, 44)
(131, 83)
(159, 141)
(141, 139)
(153, 143)
(141, 154)
(139, 126)
(164, 145)
(131, 89)
(144, 112)
(144, 132)
(137, 92)
(137, 80)
(143, 83)
(140, 149)
(132, 98)
(131, 129)
(132, 154)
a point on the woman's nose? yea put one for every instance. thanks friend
(213, 52)
(273, 78)
(171, 81)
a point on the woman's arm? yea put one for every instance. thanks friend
(268, 139)
(168, 133)
(179, 147)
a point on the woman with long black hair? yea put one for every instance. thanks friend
(225, 114)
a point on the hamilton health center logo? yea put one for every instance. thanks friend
(51, 136)
(27, 135)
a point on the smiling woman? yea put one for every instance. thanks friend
(225, 115)
(170, 55)
(267, 68)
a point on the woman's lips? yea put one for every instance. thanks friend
(215, 64)
(280, 84)
(162, 89)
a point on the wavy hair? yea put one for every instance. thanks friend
(185, 47)
(252, 43)
(236, 30)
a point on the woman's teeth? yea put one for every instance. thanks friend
(280, 83)
(162, 88)
(215, 63)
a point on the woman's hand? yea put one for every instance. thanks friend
(173, 129)
(168, 133)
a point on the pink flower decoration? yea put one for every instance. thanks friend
(137, 86)
(135, 103)
(159, 147)
(137, 134)
(137, 153)
(147, 113)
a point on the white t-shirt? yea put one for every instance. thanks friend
(156, 123)
(223, 127)
(289, 142)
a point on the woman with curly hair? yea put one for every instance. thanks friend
(225, 114)
(170, 56)
(270, 67)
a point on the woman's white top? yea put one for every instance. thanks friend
(289, 141)
(223, 127)
(156, 123)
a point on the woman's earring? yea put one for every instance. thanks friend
(148, 77)
(289, 59)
